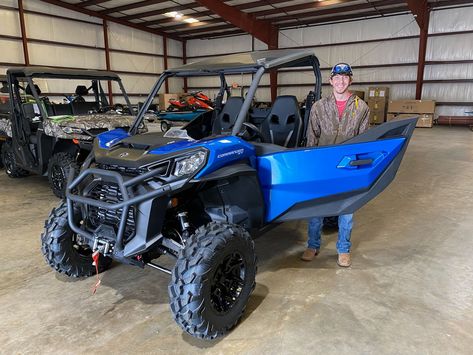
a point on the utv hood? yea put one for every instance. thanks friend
(84, 126)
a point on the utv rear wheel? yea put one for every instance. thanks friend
(9, 161)
(59, 167)
(1, 158)
(212, 280)
(63, 249)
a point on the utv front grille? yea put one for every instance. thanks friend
(160, 168)
(110, 193)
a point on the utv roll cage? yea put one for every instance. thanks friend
(31, 73)
(256, 63)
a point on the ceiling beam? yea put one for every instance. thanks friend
(314, 21)
(223, 26)
(109, 18)
(328, 19)
(322, 12)
(160, 11)
(305, 6)
(90, 3)
(191, 6)
(214, 35)
(134, 5)
(444, 3)
(283, 10)
(191, 25)
(260, 29)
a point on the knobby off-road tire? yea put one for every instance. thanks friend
(212, 280)
(61, 249)
(58, 171)
(1, 158)
(9, 161)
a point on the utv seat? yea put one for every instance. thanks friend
(225, 120)
(62, 109)
(83, 108)
(32, 127)
(81, 90)
(283, 126)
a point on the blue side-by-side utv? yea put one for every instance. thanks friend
(200, 192)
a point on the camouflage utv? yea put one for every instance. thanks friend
(48, 135)
(4, 112)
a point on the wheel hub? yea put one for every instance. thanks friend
(227, 282)
(58, 177)
(8, 162)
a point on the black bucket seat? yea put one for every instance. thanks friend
(283, 126)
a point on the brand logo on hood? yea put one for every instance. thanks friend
(123, 155)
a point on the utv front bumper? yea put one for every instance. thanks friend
(122, 216)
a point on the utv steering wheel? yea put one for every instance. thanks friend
(251, 132)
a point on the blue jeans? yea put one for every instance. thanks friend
(345, 225)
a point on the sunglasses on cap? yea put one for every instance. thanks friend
(341, 68)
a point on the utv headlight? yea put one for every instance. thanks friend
(189, 164)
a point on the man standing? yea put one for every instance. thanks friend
(335, 119)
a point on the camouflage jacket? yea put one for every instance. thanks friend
(325, 128)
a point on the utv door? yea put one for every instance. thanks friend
(332, 180)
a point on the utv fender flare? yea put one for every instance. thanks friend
(66, 146)
(226, 172)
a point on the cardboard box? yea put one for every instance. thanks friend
(360, 94)
(378, 92)
(377, 104)
(163, 100)
(396, 116)
(377, 116)
(411, 106)
(425, 120)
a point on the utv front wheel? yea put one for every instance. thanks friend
(9, 161)
(63, 249)
(212, 280)
(59, 167)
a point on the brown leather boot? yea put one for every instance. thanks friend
(344, 260)
(309, 254)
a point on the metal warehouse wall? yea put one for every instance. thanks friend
(63, 38)
(383, 51)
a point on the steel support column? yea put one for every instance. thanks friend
(107, 59)
(165, 61)
(273, 75)
(24, 39)
(184, 61)
(421, 11)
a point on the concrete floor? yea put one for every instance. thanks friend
(410, 289)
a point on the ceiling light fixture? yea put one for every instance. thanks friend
(171, 14)
(191, 20)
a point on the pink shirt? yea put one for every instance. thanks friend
(341, 107)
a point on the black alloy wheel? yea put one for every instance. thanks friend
(213, 279)
(227, 282)
(9, 161)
